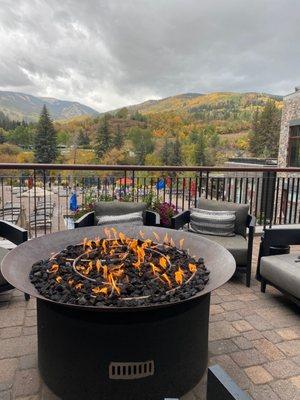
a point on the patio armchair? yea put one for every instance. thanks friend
(283, 270)
(116, 212)
(240, 245)
(16, 235)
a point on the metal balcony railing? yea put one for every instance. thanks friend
(37, 196)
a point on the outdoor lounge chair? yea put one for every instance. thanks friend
(281, 271)
(116, 212)
(16, 235)
(238, 245)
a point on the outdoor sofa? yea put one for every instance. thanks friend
(281, 271)
(116, 212)
(240, 245)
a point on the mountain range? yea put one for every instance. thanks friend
(211, 106)
(21, 106)
(221, 105)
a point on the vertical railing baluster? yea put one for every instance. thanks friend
(11, 200)
(35, 210)
(246, 191)
(164, 189)
(241, 190)
(251, 198)
(267, 188)
(292, 200)
(176, 205)
(223, 188)
(257, 188)
(133, 185)
(206, 189)
(296, 202)
(281, 199)
(286, 200)
(2, 194)
(137, 188)
(274, 216)
(183, 193)
(144, 189)
(171, 187)
(229, 189)
(218, 187)
(235, 190)
(44, 187)
(189, 195)
(58, 201)
(196, 188)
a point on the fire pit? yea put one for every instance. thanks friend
(122, 316)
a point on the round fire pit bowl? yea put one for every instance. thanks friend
(148, 352)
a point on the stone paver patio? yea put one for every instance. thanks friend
(255, 337)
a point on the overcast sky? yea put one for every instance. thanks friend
(110, 53)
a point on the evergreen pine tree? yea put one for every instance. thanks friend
(45, 145)
(118, 138)
(176, 157)
(103, 139)
(264, 136)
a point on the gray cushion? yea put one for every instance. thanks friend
(283, 271)
(241, 212)
(135, 218)
(3, 252)
(237, 245)
(107, 208)
(211, 222)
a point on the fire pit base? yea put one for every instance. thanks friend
(147, 355)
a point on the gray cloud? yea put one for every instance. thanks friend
(107, 53)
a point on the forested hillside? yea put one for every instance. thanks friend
(188, 129)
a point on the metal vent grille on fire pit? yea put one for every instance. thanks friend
(131, 370)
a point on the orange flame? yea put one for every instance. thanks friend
(156, 235)
(98, 265)
(104, 271)
(114, 231)
(167, 279)
(100, 290)
(107, 232)
(122, 237)
(113, 284)
(58, 279)
(163, 262)
(104, 246)
(53, 269)
(179, 276)
(78, 286)
(192, 267)
(154, 268)
(166, 239)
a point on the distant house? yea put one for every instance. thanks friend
(289, 143)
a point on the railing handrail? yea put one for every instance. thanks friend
(98, 167)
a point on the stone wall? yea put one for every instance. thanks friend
(290, 111)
